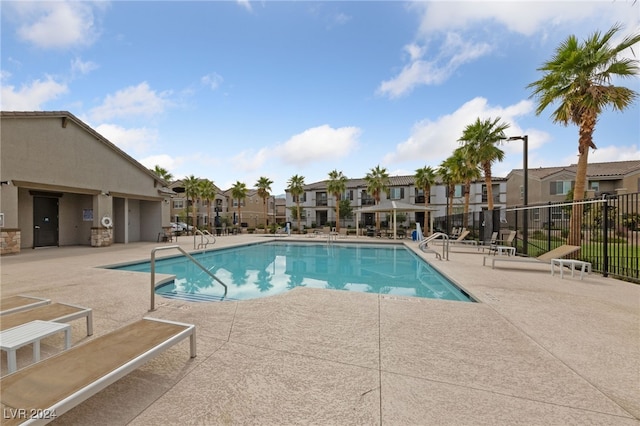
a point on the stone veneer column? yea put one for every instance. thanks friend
(101, 237)
(9, 241)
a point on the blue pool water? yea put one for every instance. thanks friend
(266, 269)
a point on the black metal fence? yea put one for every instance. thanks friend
(610, 232)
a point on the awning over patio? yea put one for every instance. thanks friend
(393, 207)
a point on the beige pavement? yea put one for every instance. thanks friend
(535, 350)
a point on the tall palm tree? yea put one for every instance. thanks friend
(481, 138)
(162, 173)
(425, 178)
(239, 192)
(377, 182)
(207, 191)
(466, 169)
(336, 185)
(191, 189)
(446, 171)
(295, 185)
(263, 185)
(578, 80)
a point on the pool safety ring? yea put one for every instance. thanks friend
(106, 222)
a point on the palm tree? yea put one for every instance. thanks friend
(207, 192)
(466, 169)
(295, 185)
(263, 185)
(191, 189)
(424, 179)
(377, 182)
(578, 79)
(446, 170)
(162, 173)
(239, 192)
(336, 185)
(481, 138)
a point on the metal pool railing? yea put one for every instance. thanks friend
(188, 256)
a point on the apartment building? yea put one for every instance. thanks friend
(318, 206)
(223, 209)
(552, 184)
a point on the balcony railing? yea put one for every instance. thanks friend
(321, 203)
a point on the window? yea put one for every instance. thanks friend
(396, 193)
(458, 191)
(595, 186)
(561, 187)
(178, 204)
(347, 195)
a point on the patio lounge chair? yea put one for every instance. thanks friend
(13, 304)
(63, 381)
(556, 253)
(461, 239)
(55, 312)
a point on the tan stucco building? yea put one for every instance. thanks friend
(62, 183)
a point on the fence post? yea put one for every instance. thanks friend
(549, 227)
(605, 238)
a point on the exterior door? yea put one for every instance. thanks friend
(45, 221)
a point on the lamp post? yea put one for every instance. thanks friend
(525, 219)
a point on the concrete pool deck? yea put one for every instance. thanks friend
(537, 349)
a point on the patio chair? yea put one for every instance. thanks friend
(65, 380)
(557, 253)
(54, 312)
(508, 242)
(19, 303)
(461, 239)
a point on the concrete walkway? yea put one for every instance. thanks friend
(536, 350)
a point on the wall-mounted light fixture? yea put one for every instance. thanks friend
(106, 193)
(5, 182)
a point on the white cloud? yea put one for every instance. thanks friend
(30, 97)
(319, 144)
(58, 24)
(137, 100)
(78, 66)
(456, 21)
(163, 160)
(246, 4)
(434, 141)
(212, 80)
(132, 141)
(613, 153)
(454, 52)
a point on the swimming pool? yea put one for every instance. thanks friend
(266, 269)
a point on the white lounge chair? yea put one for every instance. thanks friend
(63, 381)
(54, 312)
(556, 253)
(461, 239)
(19, 303)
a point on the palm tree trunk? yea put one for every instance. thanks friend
(575, 223)
(487, 182)
(298, 212)
(427, 213)
(465, 217)
(337, 215)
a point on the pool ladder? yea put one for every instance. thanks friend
(204, 239)
(188, 256)
(424, 245)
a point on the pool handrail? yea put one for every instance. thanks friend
(204, 235)
(191, 258)
(423, 245)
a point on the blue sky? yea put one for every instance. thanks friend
(234, 91)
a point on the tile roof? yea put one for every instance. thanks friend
(607, 169)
